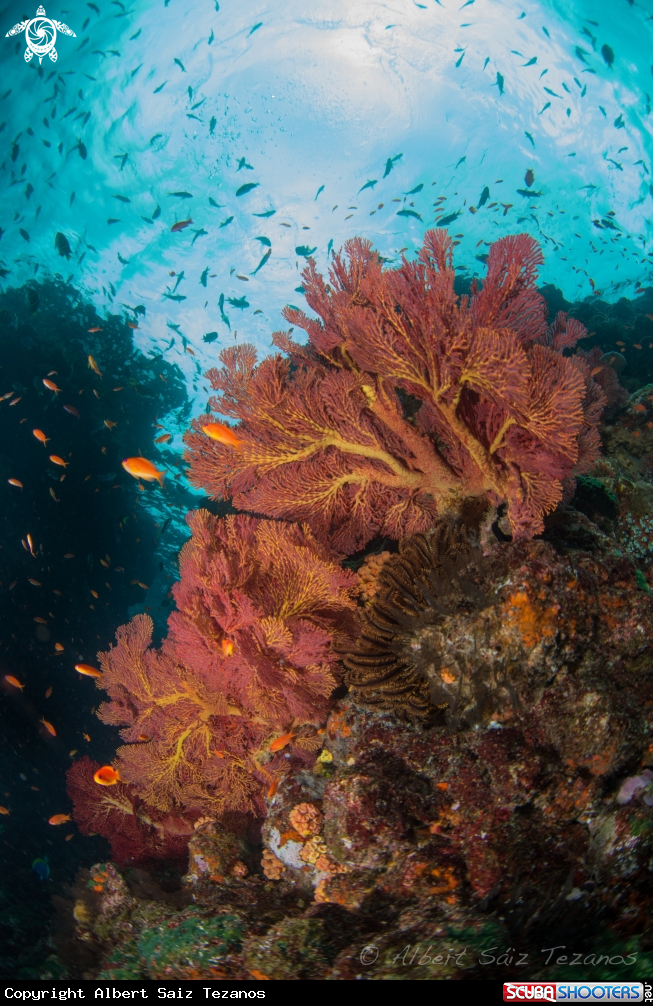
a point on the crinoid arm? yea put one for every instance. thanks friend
(64, 29)
(17, 28)
(395, 664)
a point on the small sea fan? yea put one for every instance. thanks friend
(245, 675)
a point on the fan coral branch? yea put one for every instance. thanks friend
(330, 435)
(248, 658)
(136, 833)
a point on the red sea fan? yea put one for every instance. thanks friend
(137, 837)
(606, 377)
(405, 400)
(248, 660)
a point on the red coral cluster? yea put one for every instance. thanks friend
(244, 677)
(406, 399)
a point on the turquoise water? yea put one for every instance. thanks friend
(310, 104)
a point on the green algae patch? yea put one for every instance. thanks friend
(189, 943)
(293, 949)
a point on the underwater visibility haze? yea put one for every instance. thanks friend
(326, 562)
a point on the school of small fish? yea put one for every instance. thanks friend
(139, 468)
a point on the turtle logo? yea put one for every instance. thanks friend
(40, 35)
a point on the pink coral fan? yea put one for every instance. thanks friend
(137, 834)
(248, 657)
(406, 399)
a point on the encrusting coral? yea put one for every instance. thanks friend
(273, 868)
(368, 574)
(240, 685)
(405, 400)
(306, 819)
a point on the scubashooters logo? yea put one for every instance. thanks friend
(40, 35)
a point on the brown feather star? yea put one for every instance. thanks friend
(397, 663)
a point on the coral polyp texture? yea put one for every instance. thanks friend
(405, 400)
(237, 690)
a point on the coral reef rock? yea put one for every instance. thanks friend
(504, 796)
(512, 813)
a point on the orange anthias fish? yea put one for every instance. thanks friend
(223, 434)
(109, 424)
(48, 727)
(179, 226)
(107, 776)
(4, 810)
(51, 386)
(141, 468)
(56, 460)
(11, 680)
(639, 407)
(93, 366)
(94, 329)
(59, 819)
(88, 670)
(282, 741)
(59, 647)
(15, 482)
(163, 439)
(40, 435)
